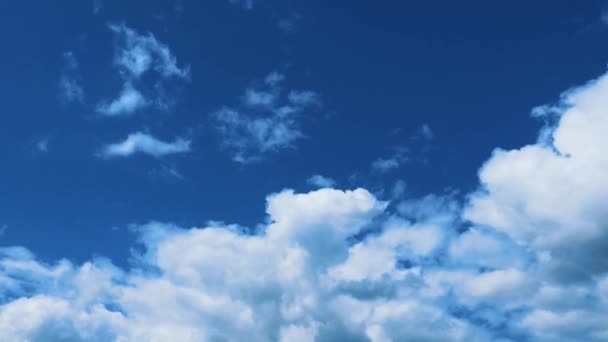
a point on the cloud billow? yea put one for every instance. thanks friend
(530, 264)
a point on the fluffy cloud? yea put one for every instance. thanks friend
(523, 258)
(144, 143)
(552, 197)
(295, 279)
(266, 122)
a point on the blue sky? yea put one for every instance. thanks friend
(388, 153)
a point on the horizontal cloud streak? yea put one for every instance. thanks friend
(146, 144)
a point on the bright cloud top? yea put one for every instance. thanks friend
(332, 265)
(147, 144)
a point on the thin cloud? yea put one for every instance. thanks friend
(321, 181)
(139, 53)
(70, 88)
(267, 120)
(147, 144)
(128, 102)
(395, 161)
(245, 4)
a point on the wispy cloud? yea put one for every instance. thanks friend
(70, 89)
(128, 102)
(43, 145)
(321, 181)
(147, 144)
(267, 120)
(418, 145)
(604, 17)
(288, 24)
(138, 55)
(426, 132)
(246, 4)
(396, 160)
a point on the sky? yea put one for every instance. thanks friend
(220, 170)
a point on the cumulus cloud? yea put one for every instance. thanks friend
(552, 198)
(147, 144)
(297, 278)
(521, 259)
(267, 120)
(321, 181)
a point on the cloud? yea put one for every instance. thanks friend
(138, 55)
(426, 132)
(146, 144)
(97, 6)
(70, 89)
(246, 4)
(552, 197)
(266, 122)
(385, 165)
(521, 259)
(604, 17)
(289, 24)
(43, 145)
(128, 102)
(321, 181)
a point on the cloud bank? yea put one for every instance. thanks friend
(332, 265)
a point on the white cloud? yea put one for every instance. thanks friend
(553, 198)
(140, 53)
(128, 102)
(147, 144)
(385, 165)
(332, 265)
(266, 122)
(321, 181)
(269, 286)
